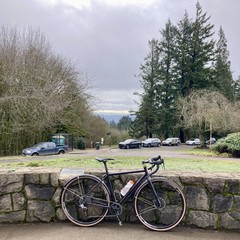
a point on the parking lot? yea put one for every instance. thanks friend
(165, 152)
(181, 151)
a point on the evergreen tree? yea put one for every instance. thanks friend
(183, 40)
(166, 87)
(124, 123)
(223, 74)
(201, 52)
(194, 56)
(183, 60)
(146, 116)
(113, 124)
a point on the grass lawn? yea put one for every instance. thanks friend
(89, 162)
(204, 152)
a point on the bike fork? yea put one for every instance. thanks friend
(159, 204)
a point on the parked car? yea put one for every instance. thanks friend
(130, 143)
(171, 142)
(193, 141)
(211, 141)
(151, 142)
(179, 141)
(45, 148)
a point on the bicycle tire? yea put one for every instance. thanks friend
(173, 208)
(85, 200)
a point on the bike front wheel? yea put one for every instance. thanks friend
(85, 200)
(172, 206)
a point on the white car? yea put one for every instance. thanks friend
(193, 141)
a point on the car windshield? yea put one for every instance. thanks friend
(128, 140)
(38, 145)
(149, 139)
(169, 139)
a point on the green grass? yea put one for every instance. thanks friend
(205, 165)
(204, 152)
(89, 162)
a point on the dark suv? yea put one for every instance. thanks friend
(130, 143)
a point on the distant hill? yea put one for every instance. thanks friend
(113, 117)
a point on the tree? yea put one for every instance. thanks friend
(166, 87)
(146, 116)
(194, 52)
(124, 123)
(40, 92)
(96, 128)
(207, 111)
(183, 62)
(157, 109)
(194, 56)
(201, 52)
(223, 74)
(113, 124)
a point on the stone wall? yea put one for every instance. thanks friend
(33, 194)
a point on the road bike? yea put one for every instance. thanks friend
(159, 202)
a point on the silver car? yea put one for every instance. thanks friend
(171, 142)
(151, 142)
(193, 141)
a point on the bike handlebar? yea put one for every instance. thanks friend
(154, 161)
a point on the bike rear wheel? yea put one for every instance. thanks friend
(85, 200)
(171, 211)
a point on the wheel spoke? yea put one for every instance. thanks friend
(85, 200)
(144, 200)
(172, 205)
(73, 191)
(148, 209)
(98, 203)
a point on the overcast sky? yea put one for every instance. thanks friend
(109, 38)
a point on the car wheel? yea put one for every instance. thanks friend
(35, 154)
(127, 146)
(149, 145)
(158, 145)
(61, 152)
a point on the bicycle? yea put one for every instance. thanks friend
(158, 202)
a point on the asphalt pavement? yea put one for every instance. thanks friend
(106, 231)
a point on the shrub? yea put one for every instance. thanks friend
(229, 144)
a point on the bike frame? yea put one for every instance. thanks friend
(132, 190)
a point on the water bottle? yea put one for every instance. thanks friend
(127, 187)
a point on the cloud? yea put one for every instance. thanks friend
(112, 112)
(109, 38)
(116, 100)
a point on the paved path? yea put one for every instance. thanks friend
(106, 231)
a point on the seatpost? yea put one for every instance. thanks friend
(105, 165)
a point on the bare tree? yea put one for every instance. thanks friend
(39, 90)
(208, 111)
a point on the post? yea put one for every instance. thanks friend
(210, 134)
